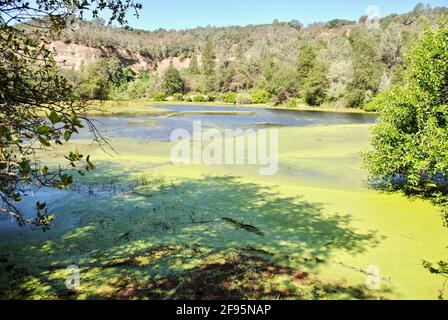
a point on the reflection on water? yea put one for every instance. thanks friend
(160, 128)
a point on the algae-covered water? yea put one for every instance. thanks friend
(140, 220)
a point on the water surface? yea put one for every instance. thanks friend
(183, 116)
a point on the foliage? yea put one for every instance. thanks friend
(38, 107)
(100, 79)
(305, 63)
(375, 104)
(244, 98)
(208, 67)
(143, 87)
(316, 86)
(229, 97)
(292, 103)
(159, 96)
(260, 96)
(200, 98)
(411, 140)
(337, 54)
(172, 82)
(178, 97)
(283, 85)
(276, 58)
(193, 67)
(410, 145)
(367, 69)
(391, 46)
(337, 23)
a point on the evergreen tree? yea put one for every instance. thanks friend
(208, 67)
(193, 68)
(305, 63)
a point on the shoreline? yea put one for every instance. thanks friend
(112, 103)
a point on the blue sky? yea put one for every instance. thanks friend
(180, 14)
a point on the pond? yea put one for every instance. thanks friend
(160, 128)
(140, 218)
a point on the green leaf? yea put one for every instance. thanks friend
(53, 117)
(67, 135)
(44, 142)
(44, 129)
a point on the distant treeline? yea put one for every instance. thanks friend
(339, 63)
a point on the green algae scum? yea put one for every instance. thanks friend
(140, 227)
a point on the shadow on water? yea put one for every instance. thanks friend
(216, 237)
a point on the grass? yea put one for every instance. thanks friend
(123, 109)
(143, 123)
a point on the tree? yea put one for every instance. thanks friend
(367, 70)
(305, 63)
(283, 85)
(296, 24)
(340, 74)
(391, 46)
(208, 66)
(410, 144)
(226, 74)
(172, 82)
(316, 86)
(193, 67)
(100, 78)
(38, 107)
(337, 23)
(419, 8)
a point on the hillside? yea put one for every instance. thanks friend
(342, 63)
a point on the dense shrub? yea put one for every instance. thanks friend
(292, 103)
(144, 87)
(178, 97)
(260, 96)
(229, 97)
(210, 97)
(199, 98)
(159, 96)
(244, 98)
(357, 97)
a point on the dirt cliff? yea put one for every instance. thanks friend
(75, 56)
